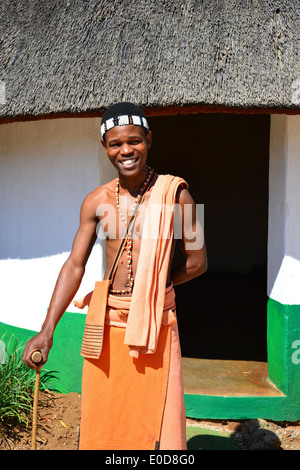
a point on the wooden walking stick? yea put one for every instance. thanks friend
(36, 357)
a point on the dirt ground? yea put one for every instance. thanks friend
(57, 428)
(59, 420)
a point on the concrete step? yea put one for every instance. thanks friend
(227, 378)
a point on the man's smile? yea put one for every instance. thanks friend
(128, 162)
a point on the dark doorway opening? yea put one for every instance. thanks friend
(225, 160)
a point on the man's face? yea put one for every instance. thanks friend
(127, 148)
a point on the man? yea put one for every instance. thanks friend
(132, 390)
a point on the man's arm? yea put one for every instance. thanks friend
(68, 282)
(192, 242)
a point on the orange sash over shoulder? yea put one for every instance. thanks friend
(148, 295)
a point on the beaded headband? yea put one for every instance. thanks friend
(124, 120)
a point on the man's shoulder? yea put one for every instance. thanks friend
(101, 194)
(178, 181)
(170, 176)
(104, 188)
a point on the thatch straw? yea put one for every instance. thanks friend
(69, 56)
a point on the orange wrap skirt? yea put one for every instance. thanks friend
(134, 404)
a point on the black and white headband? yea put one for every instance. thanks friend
(124, 120)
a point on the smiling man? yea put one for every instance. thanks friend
(132, 387)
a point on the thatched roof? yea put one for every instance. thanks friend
(79, 56)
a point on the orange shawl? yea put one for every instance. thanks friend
(147, 303)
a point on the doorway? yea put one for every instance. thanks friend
(225, 160)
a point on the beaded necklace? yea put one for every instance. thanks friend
(129, 241)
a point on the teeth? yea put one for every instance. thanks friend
(128, 162)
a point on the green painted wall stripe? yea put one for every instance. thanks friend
(65, 354)
(283, 339)
(277, 321)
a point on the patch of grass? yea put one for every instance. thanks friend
(207, 439)
(17, 385)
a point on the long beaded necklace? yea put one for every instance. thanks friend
(129, 241)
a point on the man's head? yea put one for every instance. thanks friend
(123, 114)
(126, 138)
